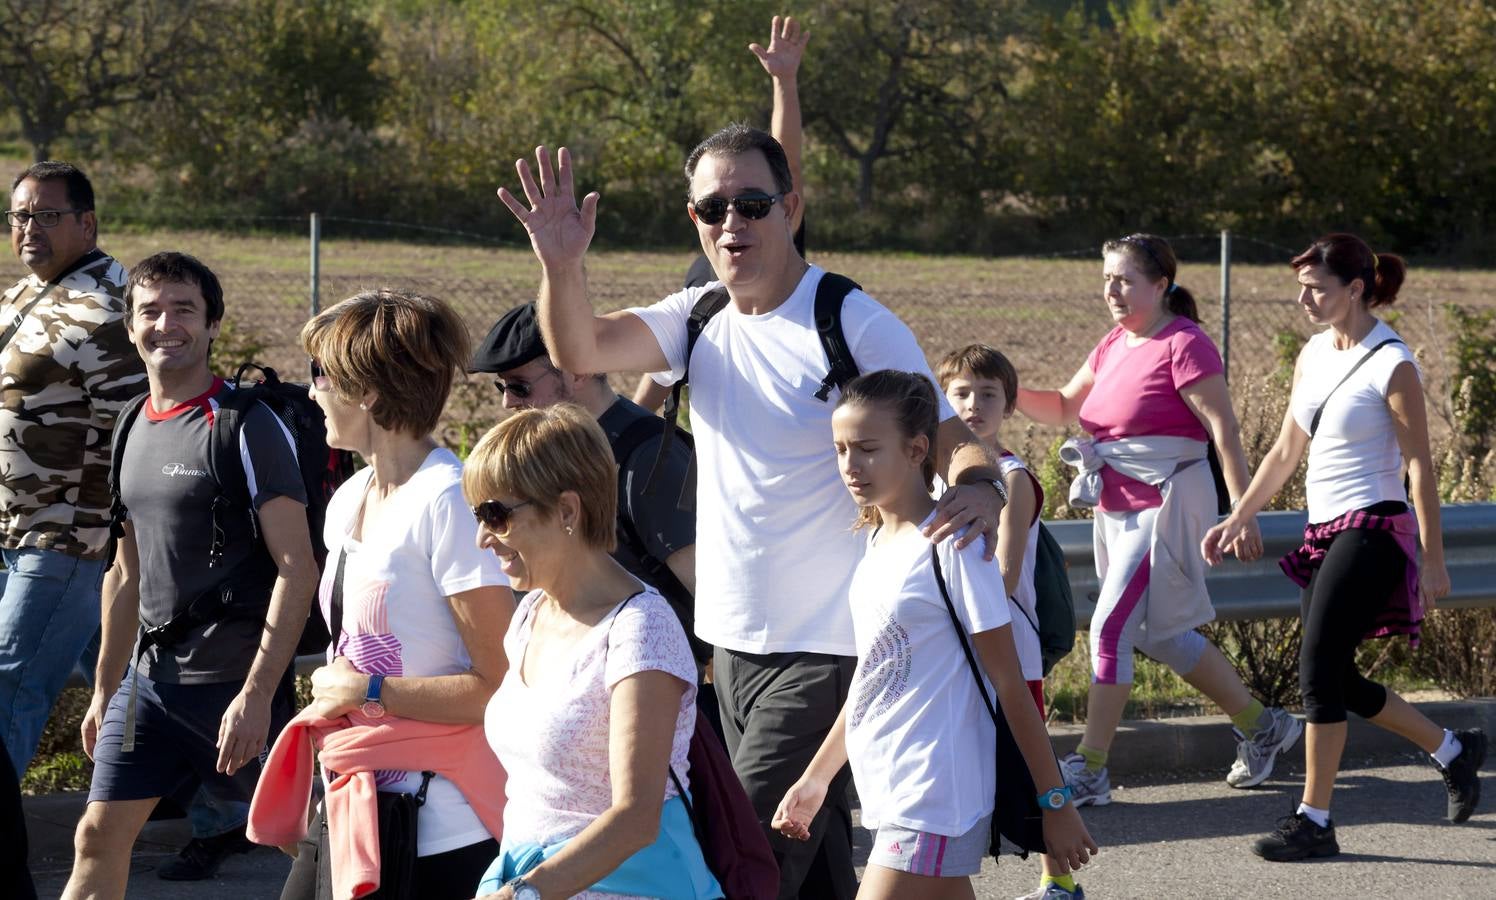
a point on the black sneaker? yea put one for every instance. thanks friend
(1297, 838)
(200, 859)
(1462, 775)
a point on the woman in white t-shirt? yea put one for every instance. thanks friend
(915, 728)
(594, 719)
(421, 605)
(1357, 407)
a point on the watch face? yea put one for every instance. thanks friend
(373, 709)
(526, 892)
(1056, 799)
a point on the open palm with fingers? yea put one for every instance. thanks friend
(786, 47)
(560, 230)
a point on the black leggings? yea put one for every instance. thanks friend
(1338, 607)
(453, 875)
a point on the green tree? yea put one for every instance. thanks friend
(64, 61)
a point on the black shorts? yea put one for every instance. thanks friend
(176, 733)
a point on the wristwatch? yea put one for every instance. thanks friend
(1055, 798)
(522, 889)
(372, 707)
(997, 485)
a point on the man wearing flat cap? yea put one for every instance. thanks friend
(656, 527)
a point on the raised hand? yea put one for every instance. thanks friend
(786, 47)
(560, 230)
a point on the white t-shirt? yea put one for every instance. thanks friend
(1354, 459)
(920, 740)
(396, 619)
(1024, 602)
(774, 545)
(552, 738)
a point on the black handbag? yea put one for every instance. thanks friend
(398, 816)
(1016, 816)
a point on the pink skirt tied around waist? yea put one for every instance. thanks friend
(1401, 611)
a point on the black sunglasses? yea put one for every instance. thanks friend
(751, 205)
(320, 381)
(495, 514)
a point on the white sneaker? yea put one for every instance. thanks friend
(1087, 788)
(1255, 756)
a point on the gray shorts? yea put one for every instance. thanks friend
(934, 855)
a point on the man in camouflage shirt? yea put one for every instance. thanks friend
(66, 370)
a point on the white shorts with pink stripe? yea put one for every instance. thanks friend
(933, 855)
(1123, 542)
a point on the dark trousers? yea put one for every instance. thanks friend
(776, 710)
(13, 845)
(1338, 606)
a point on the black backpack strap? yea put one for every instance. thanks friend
(830, 294)
(707, 305)
(1314, 422)
(117, 512)
(226, 466)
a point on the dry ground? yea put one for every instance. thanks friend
(1045, 314)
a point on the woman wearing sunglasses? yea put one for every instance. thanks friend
(594, 717)
(1152, 397)
(414, 605)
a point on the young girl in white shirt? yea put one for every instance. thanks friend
(915, 728)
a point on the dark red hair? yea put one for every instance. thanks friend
(1348, 257)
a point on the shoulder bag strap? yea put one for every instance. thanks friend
(971, 659)
(335, 626)
(1314, 422)
(20, 315)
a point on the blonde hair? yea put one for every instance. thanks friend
(536, 454)
(405, 347)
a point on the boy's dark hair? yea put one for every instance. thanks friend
(983, 362)
(176, 268)
(80, 189)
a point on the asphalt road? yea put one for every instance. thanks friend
(1182, 837)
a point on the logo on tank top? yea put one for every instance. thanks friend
(172, 470)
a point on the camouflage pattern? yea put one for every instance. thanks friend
(65, 375)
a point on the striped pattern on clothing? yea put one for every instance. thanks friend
(1401, 610)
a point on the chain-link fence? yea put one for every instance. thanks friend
(1045, 312)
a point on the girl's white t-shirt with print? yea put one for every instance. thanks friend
(919, 738)
(552, 737)
(396, 618)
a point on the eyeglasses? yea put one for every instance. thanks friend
(320, 379)
(752, 205)
(495, 514)
(47, 218)
(520, 390)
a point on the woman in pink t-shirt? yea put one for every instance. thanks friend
(1152, 395)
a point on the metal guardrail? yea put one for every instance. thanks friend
(1260, 590)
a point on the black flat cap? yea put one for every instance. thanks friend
(513, 341)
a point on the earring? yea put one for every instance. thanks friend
(364, 407)
(568, 531)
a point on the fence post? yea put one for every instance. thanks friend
(1226, 302)
(316, 264)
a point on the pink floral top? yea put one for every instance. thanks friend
(553, 739)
